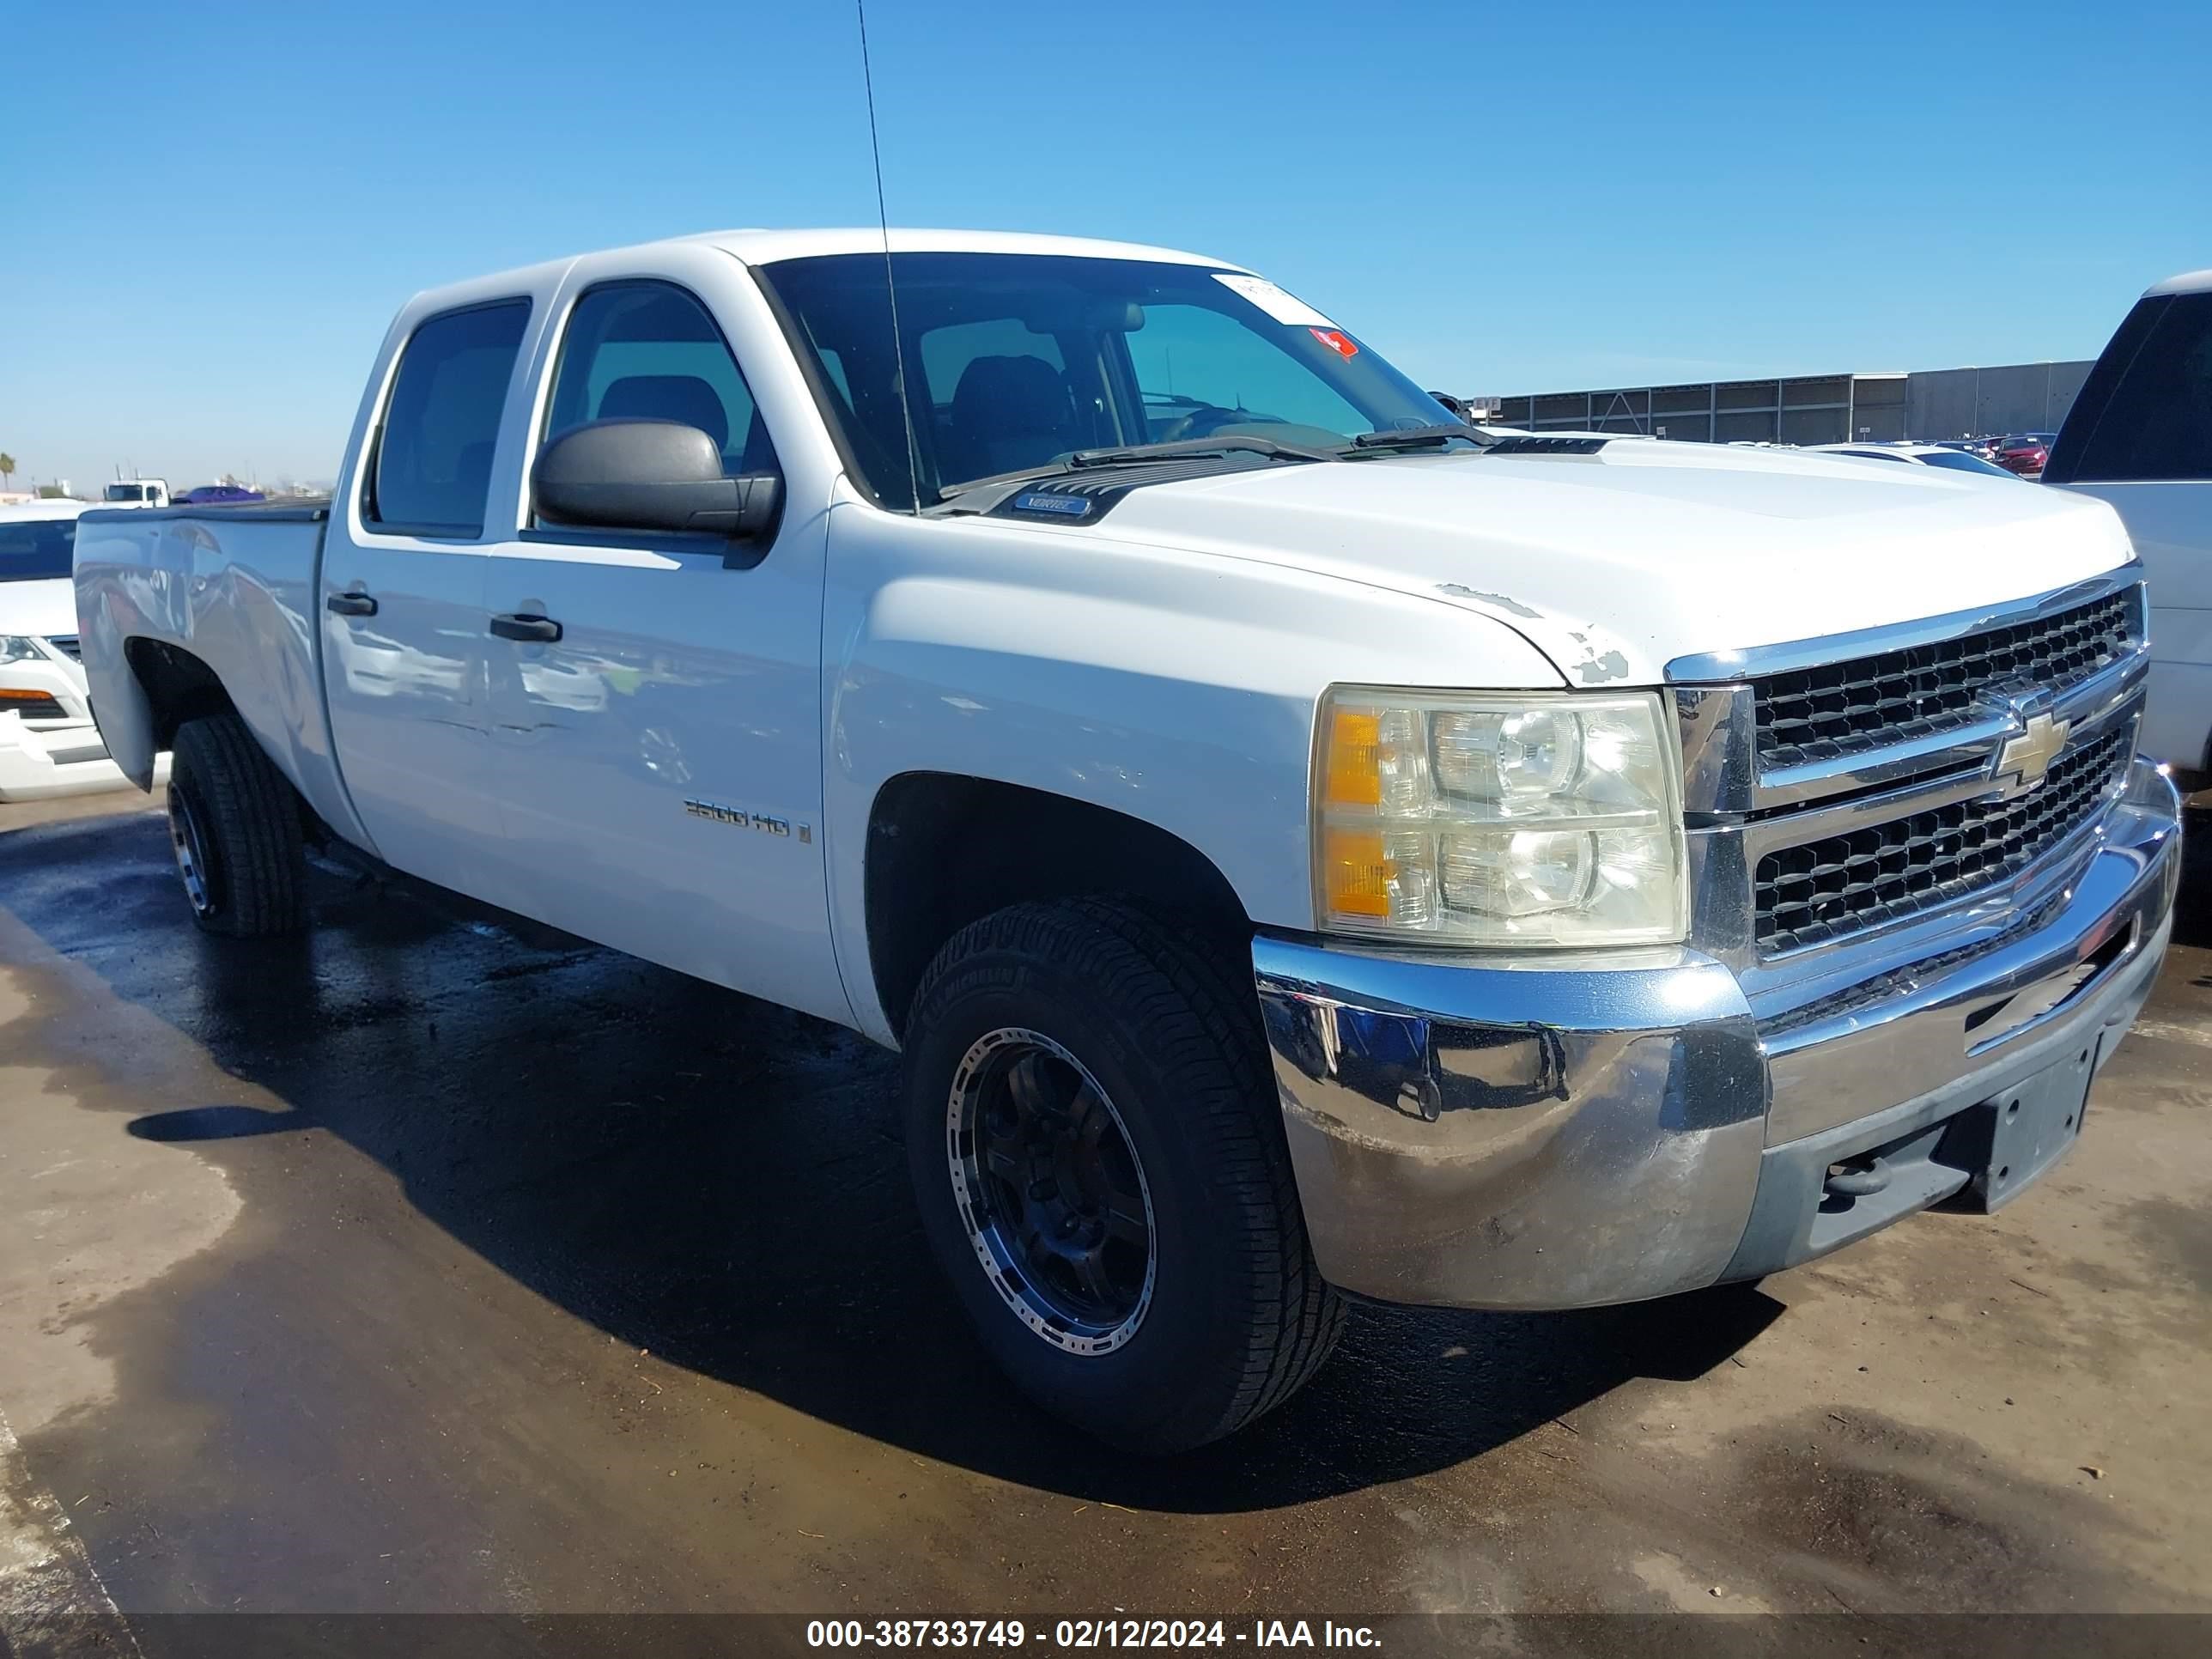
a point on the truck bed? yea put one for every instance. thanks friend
(234, 590)
(304, 508)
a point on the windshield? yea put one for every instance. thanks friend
(1014, 359)
(1958, 460)
(35, 549)
(126, 492)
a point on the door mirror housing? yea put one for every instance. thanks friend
(652, 476)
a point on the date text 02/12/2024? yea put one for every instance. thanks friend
(1082, 1634)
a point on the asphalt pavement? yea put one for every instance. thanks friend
(419, 1265)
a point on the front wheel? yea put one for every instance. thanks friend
(1098, 1155)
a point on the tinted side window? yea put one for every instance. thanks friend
(2157, 422)
(649, 350)
(433, 460)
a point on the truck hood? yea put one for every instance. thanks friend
(1616, 562)
(45, 608)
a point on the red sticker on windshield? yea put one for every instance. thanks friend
(1336, 340)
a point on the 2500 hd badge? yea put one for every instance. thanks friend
(744, 820)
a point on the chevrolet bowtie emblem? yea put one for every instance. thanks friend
(2023, 761)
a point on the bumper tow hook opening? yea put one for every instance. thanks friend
(1858, 1177)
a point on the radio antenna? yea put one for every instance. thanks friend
(891, 288)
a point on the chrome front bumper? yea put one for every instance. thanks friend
(1592, 1130)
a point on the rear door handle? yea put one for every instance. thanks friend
(534, 630)
(350, 604)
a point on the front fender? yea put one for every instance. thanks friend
(1176, 688)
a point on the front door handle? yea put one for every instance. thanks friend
(350, 604)
(533, 630)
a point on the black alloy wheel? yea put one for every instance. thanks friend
(1053, 1198)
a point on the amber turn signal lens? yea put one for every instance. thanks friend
(1354, 762)
(1357, 874)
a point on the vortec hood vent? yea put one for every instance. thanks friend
(1545, 447)
(1086, 495)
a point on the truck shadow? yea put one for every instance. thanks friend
(722, 1183)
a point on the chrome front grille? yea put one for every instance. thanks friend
(1873, 784)
(1823, 889)
(1841, 710)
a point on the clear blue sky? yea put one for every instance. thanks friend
(210, 217)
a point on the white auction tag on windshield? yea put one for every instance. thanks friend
(1282, 306)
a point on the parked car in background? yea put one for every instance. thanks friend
(48, 743)
(2140, 436)
(1299, 843)
(1945, 456)
(1981, 448)
(2025, 453)
(136, 492)
(218, 494)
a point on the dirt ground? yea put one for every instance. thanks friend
(417, 1267)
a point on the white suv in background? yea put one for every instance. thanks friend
(48, 744)
(2140, 436)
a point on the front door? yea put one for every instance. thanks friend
(656, 698)
(403, 606)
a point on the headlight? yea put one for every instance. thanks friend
(1499, 818)
(18, 648)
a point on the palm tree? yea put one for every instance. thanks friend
(7, 470)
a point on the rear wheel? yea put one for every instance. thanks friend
(234, 829)
(1098, 1156)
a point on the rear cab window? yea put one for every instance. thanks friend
(433, 463)
(1000, 397)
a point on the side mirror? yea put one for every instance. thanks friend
(649, 475)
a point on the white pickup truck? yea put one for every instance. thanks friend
(1300, 845)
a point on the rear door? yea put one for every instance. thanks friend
(659, 752)
(2140, 436)
(402, 598)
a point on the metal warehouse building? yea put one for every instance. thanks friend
(1815, 408)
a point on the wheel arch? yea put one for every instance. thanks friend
(946, 848)
(175, 686)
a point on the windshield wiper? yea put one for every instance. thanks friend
(1127, 455)
(1416, 437)
(1221, 445)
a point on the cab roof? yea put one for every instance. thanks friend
(760, 247)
